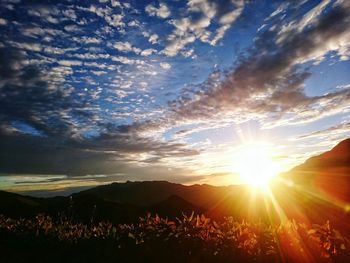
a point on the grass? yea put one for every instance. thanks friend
(192, 238)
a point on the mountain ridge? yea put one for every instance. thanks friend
(122, 202)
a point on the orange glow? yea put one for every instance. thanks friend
(255, 164)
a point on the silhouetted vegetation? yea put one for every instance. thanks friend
(191, 238)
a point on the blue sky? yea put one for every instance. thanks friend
(100, 91)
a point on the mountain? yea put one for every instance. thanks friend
(327, 174)
(337, 160)
(316, 190)
(87, 208)
(16, 205)
(83, 208)
(175, 206)
(149, 193)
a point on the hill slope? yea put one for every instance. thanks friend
(328, 173)
(320, 190)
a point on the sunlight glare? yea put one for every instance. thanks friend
(255, 164)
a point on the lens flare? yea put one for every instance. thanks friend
(255, 164)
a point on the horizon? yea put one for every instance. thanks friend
(188, 92)
(75, 190)
(45, 193)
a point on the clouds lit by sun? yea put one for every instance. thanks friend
(166, 90)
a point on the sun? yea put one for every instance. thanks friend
(255, 164)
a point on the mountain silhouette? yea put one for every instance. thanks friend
(175, 206)
(152, 192)
(316, 190)
(327, 174)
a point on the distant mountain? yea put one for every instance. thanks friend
(149, 193)
(85, 208)
(317, 190)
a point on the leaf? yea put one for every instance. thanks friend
(311, 232)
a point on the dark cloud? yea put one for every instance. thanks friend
(105, 154)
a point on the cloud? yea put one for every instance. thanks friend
(3, 22)
(91, 40)
(35, 31)
(45, 130)
(153, 39)
(104, 154)
(70, 14)
(126, 47)
(112, 19)
(199, 17)
(115, 3)
(127, 61)
(29, 46)
(27, 93)
(162, 12)
(148, 52)
(226, 19)
(165, 65)
(267, 83)
(338, 130)
(72, 75)
(57, 50)
(70, 63)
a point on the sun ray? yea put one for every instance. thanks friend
(255, 164)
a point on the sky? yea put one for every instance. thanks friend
(93, 92)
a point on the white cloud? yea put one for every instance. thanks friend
(44, 32)
(91, 40)
(148, 52)
(162, 12)
(115, 3)
(188, 53)
(127, 61)
(26, 46)
(153, 39)
(72, 28)
(165, 65)
(114, 20)
(98, 72)
(69, 63)
(90, 56)
(278, 11)
(177, 43)
(197, 22)
(134, 23)
(143, 84)
(58, 51)
(3, 22)
(70, 13)
(126, 47)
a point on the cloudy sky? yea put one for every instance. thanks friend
(99, 91)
